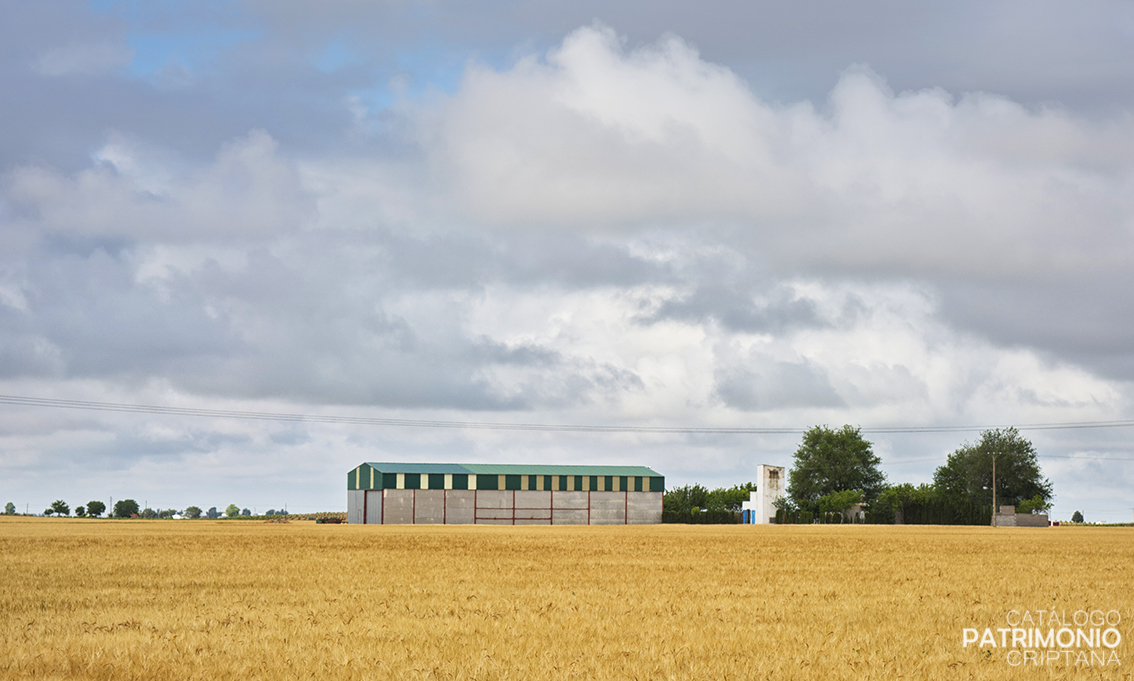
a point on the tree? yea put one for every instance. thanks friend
(60, 507)
(193, 512)
(80, 512)
(232, 510)
(834, 461)
(1076, 517)
(967, 473)
(729, 498)
(246, 512)
(212, 513)
(125, 508)
(48, 511)
(9, 508)
(897, 501)
(1034, 505)
(678, 500)
(839, 502)
(148, 513)
(95, 508)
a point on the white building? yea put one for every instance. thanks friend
(771, 484)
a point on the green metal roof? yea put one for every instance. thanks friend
(445, 468)
(510, 469)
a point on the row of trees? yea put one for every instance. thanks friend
(697, 504)
(835, 469)
(128, 508)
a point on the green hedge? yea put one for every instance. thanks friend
(937, 512)
(794, 517)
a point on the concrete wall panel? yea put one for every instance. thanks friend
(460, 507)
(490, 521)
(533, 521)
(1032, 520)
(498, 513)
(429, 507)
(533, 500)
(399, 506)
(530, 513)
(645, 508)
(600, 520)
(354, 506)
(374, 507)
(608, 501)
(493, 499)
(566, 500)
(568, 517)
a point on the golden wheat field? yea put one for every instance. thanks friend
(100, 599)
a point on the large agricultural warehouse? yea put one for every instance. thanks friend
(503, 494)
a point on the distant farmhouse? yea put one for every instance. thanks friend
(503, 494)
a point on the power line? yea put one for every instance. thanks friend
(17, 400)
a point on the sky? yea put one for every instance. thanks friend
(709, 215)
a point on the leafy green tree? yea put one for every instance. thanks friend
(897, 500)
(839, 502)
(95, 508)
(148, 513)
(833, 461)
(677, 500)
(967, 473)
(245, 512)
(1034, 505)
(48, 511)
(125, 508)
(729, 498)
(193, 512)
(232, 510)
(60, 507)
(80, 512)
(9, 508)
(784, 504)
(1076, 517)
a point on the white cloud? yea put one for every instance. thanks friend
(249, 192)
(598, 137)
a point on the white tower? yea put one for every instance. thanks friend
(771, 484)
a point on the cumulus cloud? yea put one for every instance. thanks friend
(596, 136)
(247, 193)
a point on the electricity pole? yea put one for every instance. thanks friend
(995, 511)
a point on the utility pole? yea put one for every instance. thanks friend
(995, 510)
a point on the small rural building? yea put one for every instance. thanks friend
(1007, 517)
(771, 484)
(503, 494)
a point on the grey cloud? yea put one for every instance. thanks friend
(775, 385)
(1035, 52)
(771, 308)
(1084, 319)
(83, 59)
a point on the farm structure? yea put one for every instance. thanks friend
(503, 494)
(761, 505)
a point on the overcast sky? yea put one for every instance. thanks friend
(715, 214)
